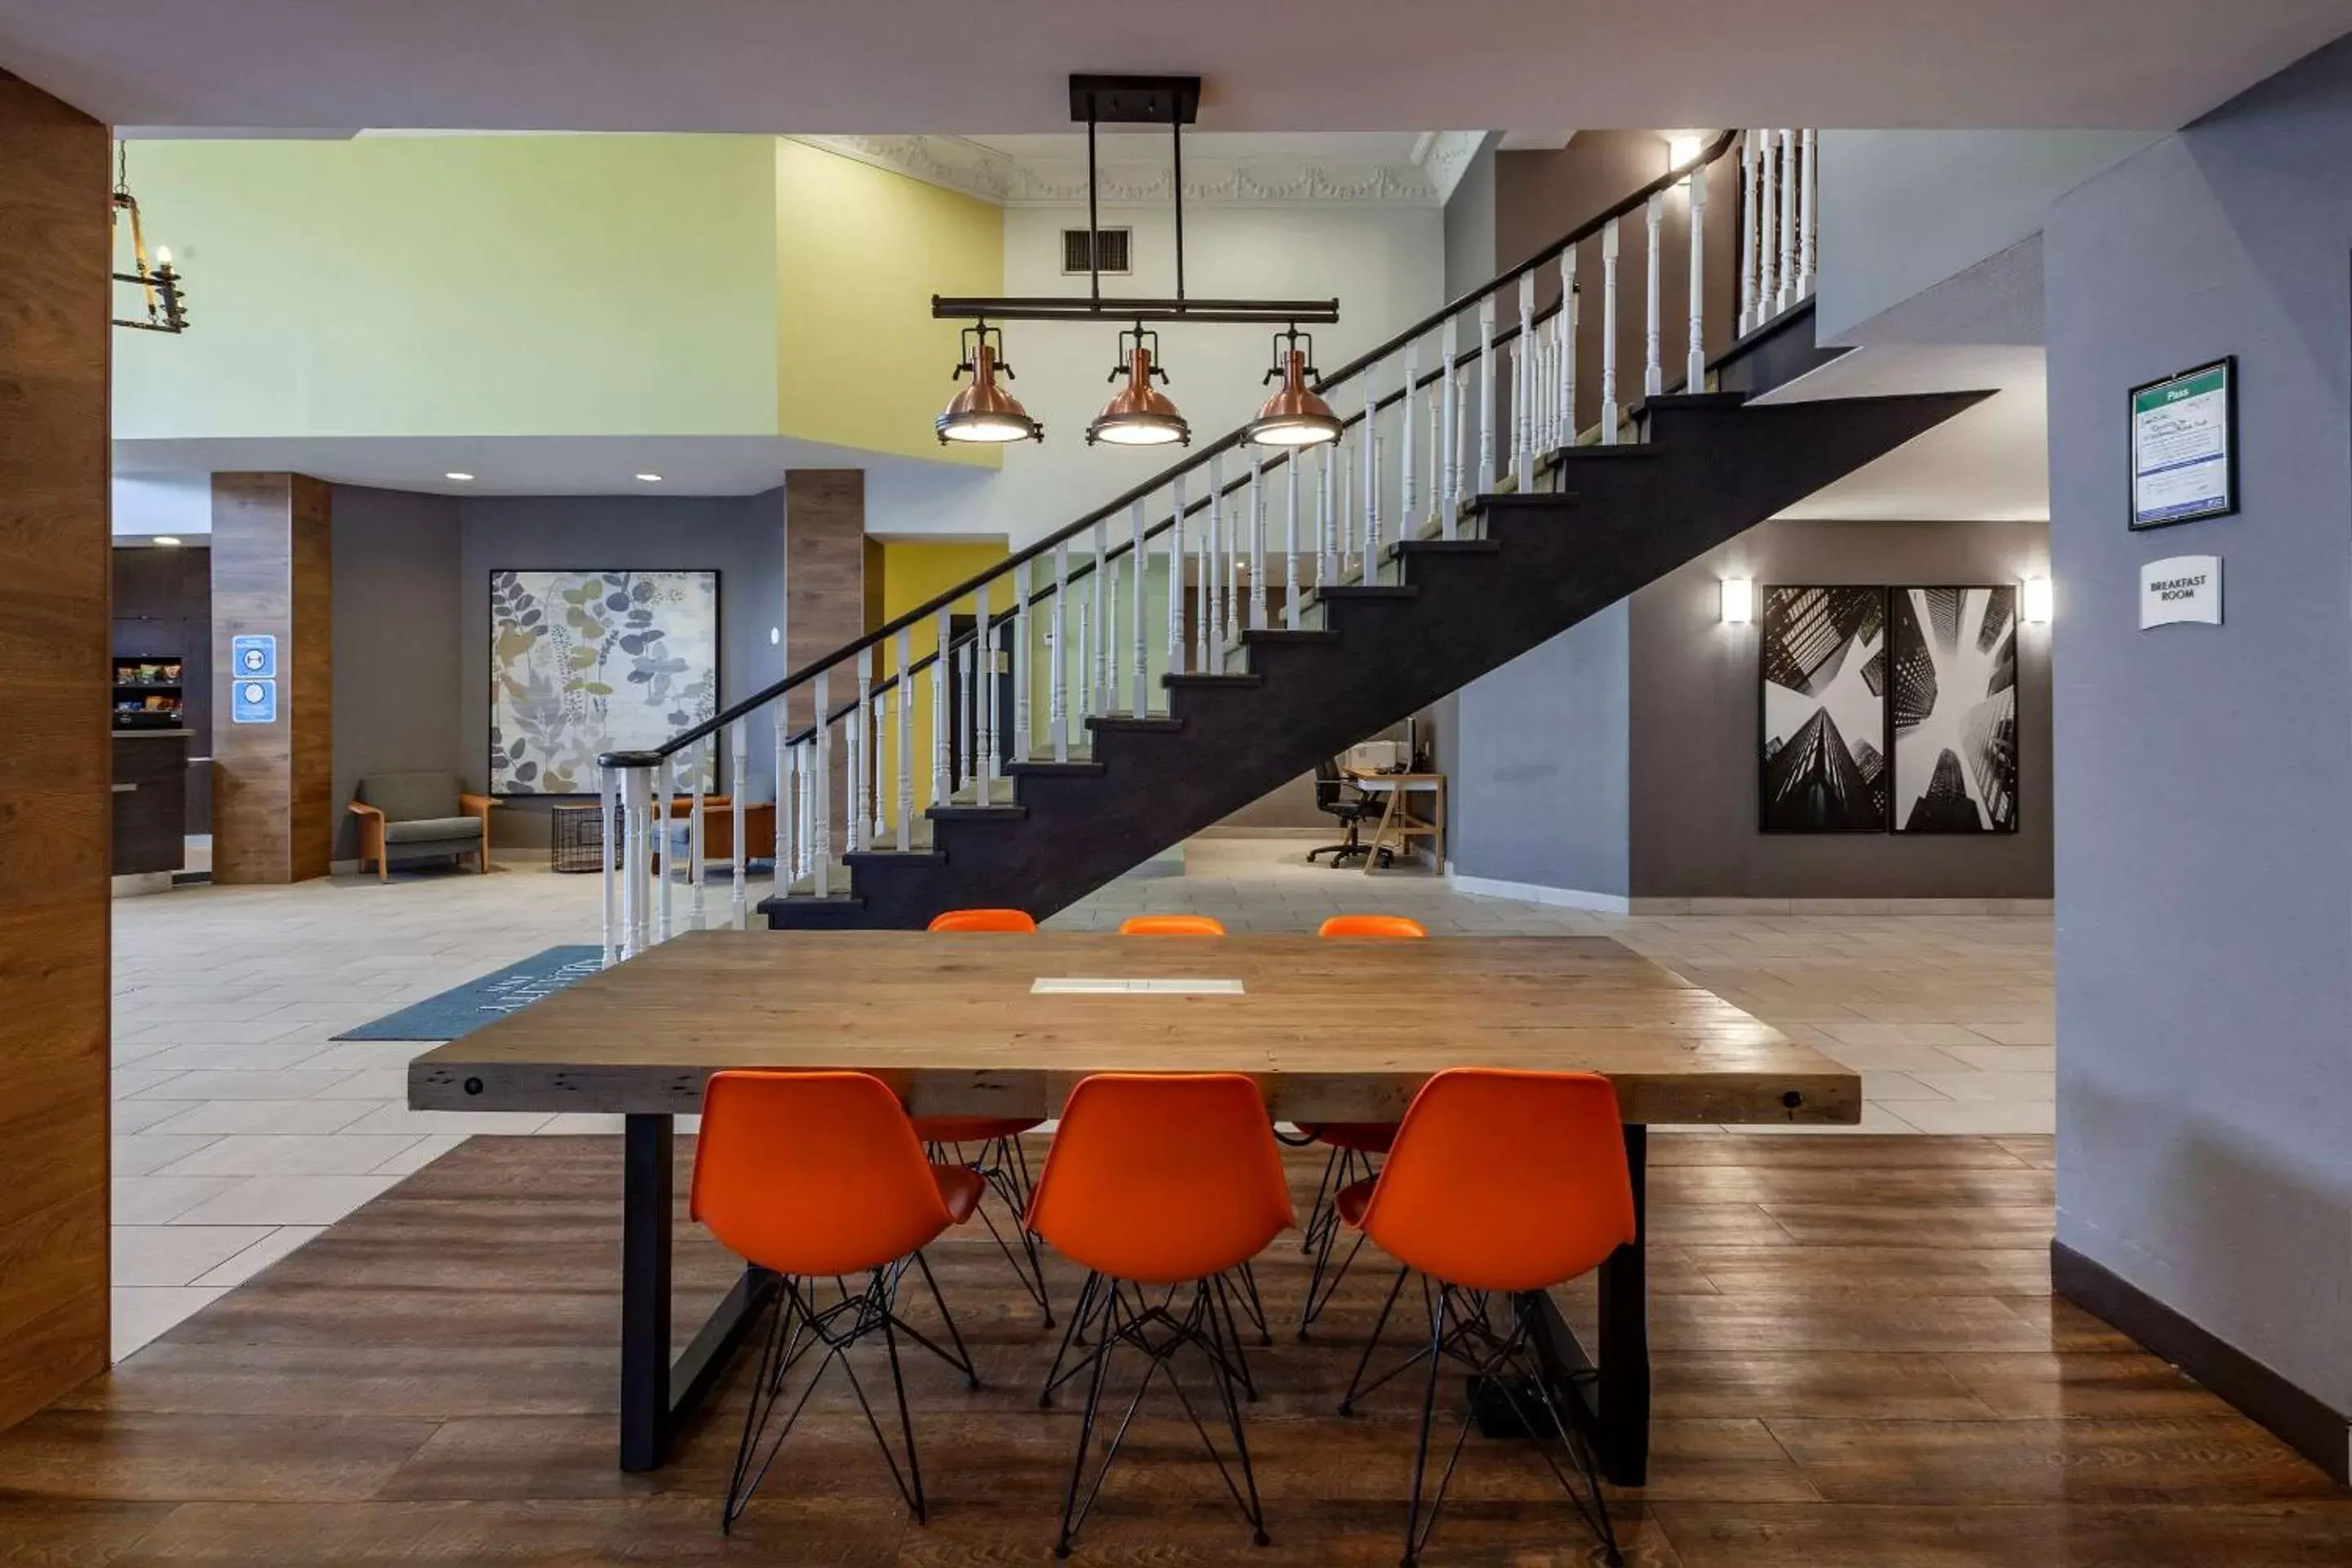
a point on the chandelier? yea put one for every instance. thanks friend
(1140, 413)
(159, 284)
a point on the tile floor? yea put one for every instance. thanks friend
(242, 1128)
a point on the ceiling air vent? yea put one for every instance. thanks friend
(1114, 244)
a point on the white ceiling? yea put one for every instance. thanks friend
(904, 65)
(1991, 464)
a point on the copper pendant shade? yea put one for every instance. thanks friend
(1296, 415)
(984, 411)
(1139, 414)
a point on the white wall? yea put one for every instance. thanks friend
(177, 504)
(1385, 265)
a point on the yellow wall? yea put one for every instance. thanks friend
(458, 285)
(912, 574)
(859, 253)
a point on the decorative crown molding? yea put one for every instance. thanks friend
(1443, 155)
(982, 172)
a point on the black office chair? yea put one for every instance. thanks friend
(1352, 806)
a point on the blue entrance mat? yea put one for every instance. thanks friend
(457, 1013)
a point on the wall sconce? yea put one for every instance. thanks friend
(1681, 150)
(1738, 601)
(2033, 601)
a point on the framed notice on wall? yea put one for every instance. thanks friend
(2184, 446)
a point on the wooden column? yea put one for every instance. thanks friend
(55, 809)
(274, 809)
(824, 595)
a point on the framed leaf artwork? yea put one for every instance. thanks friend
(586, 662)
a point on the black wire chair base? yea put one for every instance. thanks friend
(1003, 1164)
(1238, 1288)
(799, 1328)
(1120, 1315)
(1342, 1170)
(1508, 1395)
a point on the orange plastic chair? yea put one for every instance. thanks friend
(1171, 925)
(1156, 1183)
(1352, 1145)
(1501, 1183)
(1401, 926)
(983, 920)
(809, 1174)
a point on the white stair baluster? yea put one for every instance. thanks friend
(861, 801)
(966, 689)
(1134, 586)
(1654, 368)
(668, 861)
(1212, 560)
(1747, 171)
(821, 788)
(1021, 662)
(1436, 453)
(1406, 519)
(942, 781)
(906, 836)
(1082, 688)
(1098, 688)
(983, 663)
(1807, 216)
(877, 826)
(1290, 462)
(1106, 688)
(1257, 544)
(693, 844)
(1695, 373)
(1768, 224)
(1462, 468)
(637, 805)
(1205, 609)
(1523, 383)
(608, 853)
(1570, 305)
(1608, 333)
(739, 755)
(1788, 275)
(1057, 710)
(1372, 474)
(787, 805)
(1176, 582)
(1323, 514)
(1486, 395)
(1449, 424)
(1343, 505)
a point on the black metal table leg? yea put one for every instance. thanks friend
(644, 1290)
(656, 1394)
(1608, 1394)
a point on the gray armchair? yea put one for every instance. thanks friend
(420, 817)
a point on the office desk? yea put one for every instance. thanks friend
(1332, 1031)
(1396, 815)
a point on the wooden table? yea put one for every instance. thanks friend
(1331, 1030)
(1396, 813)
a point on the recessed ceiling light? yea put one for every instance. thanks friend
(649, 479)
(461, 478)
(174, 539)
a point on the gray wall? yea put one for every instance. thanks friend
(397, 645)
(1695, 725)
(743, 538)
(1470, 225)
(2204, 869)
(1538, 781)
(1901, 211)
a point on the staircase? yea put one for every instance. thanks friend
(1471, 513)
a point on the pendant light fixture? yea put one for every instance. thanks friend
(159, 286)
(984, 411)
(1296, 415)
(1140, 413)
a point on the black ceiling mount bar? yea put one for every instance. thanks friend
(1173, 101)
(1257, 311)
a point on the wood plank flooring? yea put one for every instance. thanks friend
(1858, 1362)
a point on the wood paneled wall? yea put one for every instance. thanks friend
(825, 593)
(273, 802)
(55, 808)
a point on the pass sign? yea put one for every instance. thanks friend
(2184, 433)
